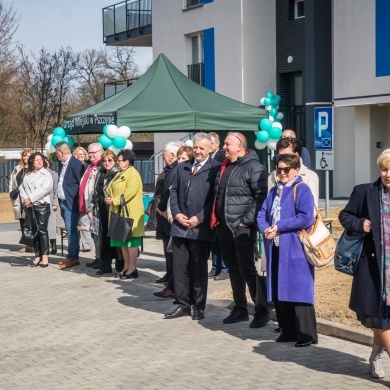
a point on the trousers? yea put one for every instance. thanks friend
(41, 242)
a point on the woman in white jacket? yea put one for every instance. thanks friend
(35, 194)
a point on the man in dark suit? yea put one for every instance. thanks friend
(70, 172)
(191, 204)
(216, 153)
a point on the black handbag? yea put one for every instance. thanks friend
(30, 230)
(120, 226)
(348, 250)
(14, 193)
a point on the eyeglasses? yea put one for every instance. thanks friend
(97, 151)
(234, 135)
(109, 160)
(285, 170)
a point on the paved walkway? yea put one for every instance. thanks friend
(72, 330)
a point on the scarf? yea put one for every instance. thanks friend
(385, 252)
(275, 210)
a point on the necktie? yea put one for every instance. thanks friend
(196, 169)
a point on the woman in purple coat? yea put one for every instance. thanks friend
(289, 208)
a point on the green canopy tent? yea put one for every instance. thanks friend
(165, 100)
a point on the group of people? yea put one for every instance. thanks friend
(200, 201)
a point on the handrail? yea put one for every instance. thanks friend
(159, 157)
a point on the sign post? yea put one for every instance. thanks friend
(323, 143)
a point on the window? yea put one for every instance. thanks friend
(299, 9)
(196, 69)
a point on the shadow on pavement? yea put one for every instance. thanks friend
(318, 358)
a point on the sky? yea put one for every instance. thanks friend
(74, 23)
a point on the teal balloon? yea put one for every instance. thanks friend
(276, 120)
(262, 136)
(105, 141)
(273, 112)
(56, 139)
(275, 133)
(59, 131)
(274, 102)
(105, 130)
(69, 140)
(277, 98)
(266, 125)
(119, 142)
(269, 95)
(267, 101)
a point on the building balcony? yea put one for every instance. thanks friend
(128, 23)
(113, 87)
(196, 73)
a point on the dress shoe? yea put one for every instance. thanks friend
(97, 265)
(222, 276)
(44, 265)
(36, 263)
(119, 274)
(178, 312)
(277, 330)
(211, 274)
(164, 279)
(92, 263)
(306, 343)
(283, 339)
(198, 314)
(131, 275)
(85, 250)
(76, 262)
(67, 264)
(260, 319)
(166, 293)
(236, 315)
(101, 273)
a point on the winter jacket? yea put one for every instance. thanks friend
(245, 191)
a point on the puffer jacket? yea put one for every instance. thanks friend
(245, 192)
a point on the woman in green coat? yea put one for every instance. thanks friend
(128, 183)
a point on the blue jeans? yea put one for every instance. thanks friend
(218, 265)
(71, 219)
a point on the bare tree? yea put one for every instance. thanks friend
(45, 84)
(120, 61)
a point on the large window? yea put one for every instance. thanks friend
(196, 69)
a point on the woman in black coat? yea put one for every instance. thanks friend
(368, 211)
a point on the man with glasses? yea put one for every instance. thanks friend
(70, 172)
(87, 188)
(242, 188)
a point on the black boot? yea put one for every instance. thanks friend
(53, 247)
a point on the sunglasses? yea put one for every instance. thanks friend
(234, 135)
(109, 160)
(285, 170)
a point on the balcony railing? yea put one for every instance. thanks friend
(191, 3)
(113, 87)
(126, 16)
(196, 73)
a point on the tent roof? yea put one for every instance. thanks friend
(164, 99)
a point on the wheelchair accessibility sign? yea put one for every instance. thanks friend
(324, 160)
(323, 128)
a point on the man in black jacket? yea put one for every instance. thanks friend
(192, 196)
(242, 188)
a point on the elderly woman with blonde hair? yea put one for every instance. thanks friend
(368, 212)
(81, 154)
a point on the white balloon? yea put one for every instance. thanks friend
(271, 143)
(268, 108)
(129, 145)
(114, 149)
(271, 118)
(189, 143)
(50, 148)
(49, 137)
(262, 101)
(112, 131)
(278, 125)
(260, 145)
(124, 131)
(256, 131)
(280, 115)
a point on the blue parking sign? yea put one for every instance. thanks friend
(323, 128)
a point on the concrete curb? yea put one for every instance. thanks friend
(325, 327)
